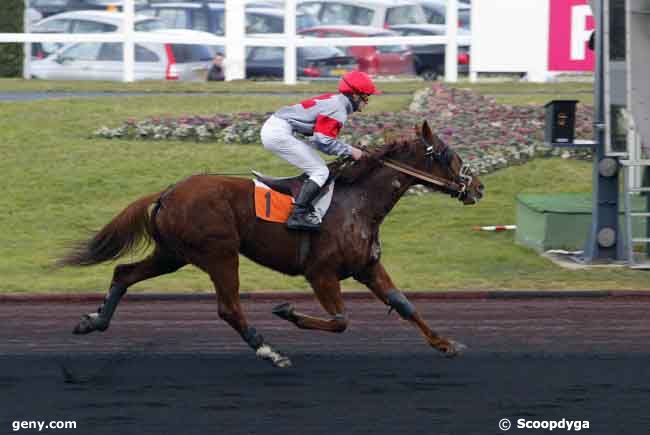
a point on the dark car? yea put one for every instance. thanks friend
(312, 62)
(429, 60)
(374, 60)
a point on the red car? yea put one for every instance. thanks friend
(376, 60)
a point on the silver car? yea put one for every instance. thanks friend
(103, 61)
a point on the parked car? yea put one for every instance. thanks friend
(377, 60)
(436, 12)
(430, 59)
(312, 62)
(86, 22)
(53, 7)
(376, 13)
(210, 17)
(104, 61)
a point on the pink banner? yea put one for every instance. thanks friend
(570, 26)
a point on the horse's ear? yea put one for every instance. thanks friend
(426, 133)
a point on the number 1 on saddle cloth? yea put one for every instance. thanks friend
(274, 206)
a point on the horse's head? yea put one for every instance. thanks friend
(436, 158)
(424, 156)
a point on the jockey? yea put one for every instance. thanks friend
(321, 118)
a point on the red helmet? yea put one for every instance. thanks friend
(357, 82)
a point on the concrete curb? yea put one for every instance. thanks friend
(349, 295)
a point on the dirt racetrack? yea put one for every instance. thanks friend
(172, 367)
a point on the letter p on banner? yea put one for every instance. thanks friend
(570, 25)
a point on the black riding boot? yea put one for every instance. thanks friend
(303, 216)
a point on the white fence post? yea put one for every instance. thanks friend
(129, 45)
(290, 62)
(27, 50)
(451, 49)
(235, 66)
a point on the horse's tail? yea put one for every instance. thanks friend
(128, 231)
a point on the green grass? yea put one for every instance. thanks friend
(58, 183)
(505, 92)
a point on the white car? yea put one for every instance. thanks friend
(86, 22)
(375, 13)
(104, 60)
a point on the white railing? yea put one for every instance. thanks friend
(236, 41)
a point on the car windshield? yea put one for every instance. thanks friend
(149, 25)
(434, 14)
(260, 23)
(42, 3)
(52, 26)
(319, 52)
(173, 18)
(304, 21)
(404, 15)
(266, 54)
(111, 2)
(185, 53)
(464, 18)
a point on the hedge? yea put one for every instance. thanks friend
(11, 21)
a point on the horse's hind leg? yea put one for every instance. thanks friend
(378, 281)
(223, 268)
(328, 291)
(125, 275)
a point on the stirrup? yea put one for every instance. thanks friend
(307, 221)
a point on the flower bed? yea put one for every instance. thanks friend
(487, 135)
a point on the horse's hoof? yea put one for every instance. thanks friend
(277, 359)
(283, 363)
(285, 311)
(453, 349)
(90, 323)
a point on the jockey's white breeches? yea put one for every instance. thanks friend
(277, 136)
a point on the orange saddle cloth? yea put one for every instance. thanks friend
(270, 205)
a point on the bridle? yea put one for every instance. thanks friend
(456, 186)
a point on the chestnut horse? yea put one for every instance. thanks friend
(208, 220)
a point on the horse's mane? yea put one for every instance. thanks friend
(395, 143)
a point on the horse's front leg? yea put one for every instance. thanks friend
(378, 281)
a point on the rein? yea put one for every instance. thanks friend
(405, 169)
(453, 187)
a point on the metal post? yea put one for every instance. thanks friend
(129, 45)
(451, 49)
(605, 241)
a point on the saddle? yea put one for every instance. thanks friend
(287, 185)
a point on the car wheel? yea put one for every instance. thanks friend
(429, 74)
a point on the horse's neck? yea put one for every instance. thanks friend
(376, 194)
